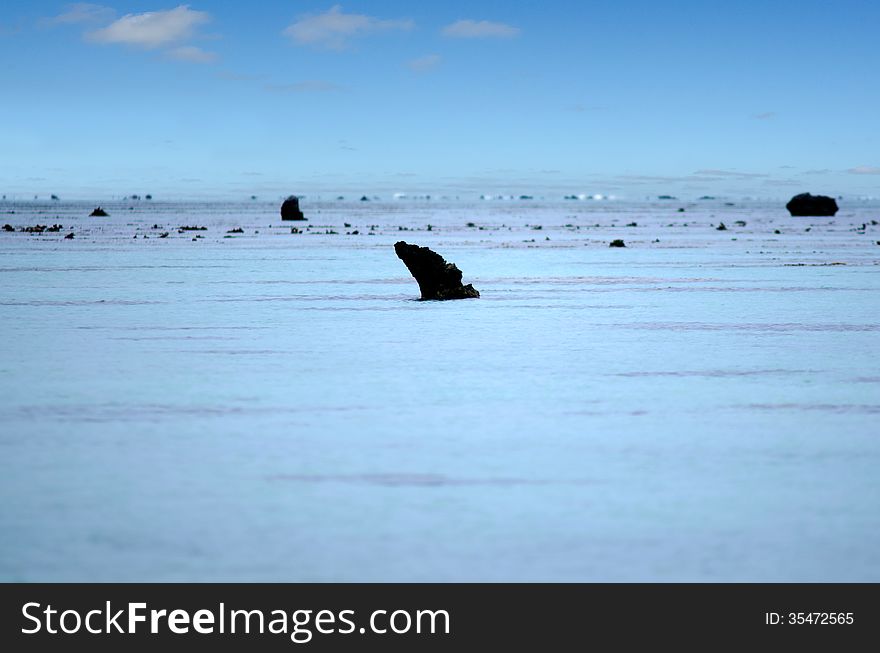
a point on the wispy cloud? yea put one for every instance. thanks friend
(153, 29)
(82, 12)
(239, 77)
(9, 30)
(782, 183)
(192, 54)
(767, 115)
(334, 28)
(307, 86)
(823, 171)
(864, 170)
(479, 29)
(642, 179)
(733, 174)
(424, 64)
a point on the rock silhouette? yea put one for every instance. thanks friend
(617, 243)
(437, 279)
(290, 209)
(811, 205)
(98, 213)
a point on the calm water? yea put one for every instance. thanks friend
(277, 407)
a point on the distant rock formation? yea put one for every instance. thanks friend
(437, 279)
(617, 243)
(99, 213)
(810, 205)
(290, 209)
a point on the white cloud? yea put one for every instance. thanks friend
(423, 64)
(192, 54)
(478, 29)
(767, 115)
(864, 170)
(82, 12)
(334, 28)
(152, 29)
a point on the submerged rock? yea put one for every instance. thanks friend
(290, 209)
(99, 213)
(810, 205)
(437, 279)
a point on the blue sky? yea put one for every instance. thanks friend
(627, 98)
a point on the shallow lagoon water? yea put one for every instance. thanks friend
(278, 407)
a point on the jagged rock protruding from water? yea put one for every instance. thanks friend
(290, 209)
(617, 243)
(99, 213)
(810, 205)
(437, 279)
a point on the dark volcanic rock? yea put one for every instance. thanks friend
(806, 205)
(617, 243)
(290, 209)
(437, 279)
(98, 213)
(8, 227)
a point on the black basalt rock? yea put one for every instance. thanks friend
(290, 209)
(811, 205)
(437, 279)
(98, 213)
